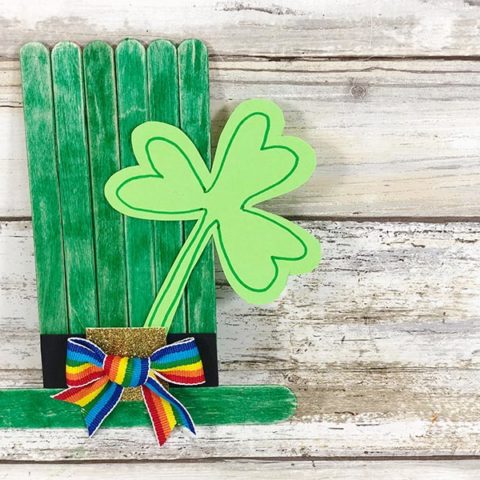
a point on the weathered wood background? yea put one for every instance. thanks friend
(381, 343)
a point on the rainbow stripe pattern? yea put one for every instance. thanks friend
(96, 381)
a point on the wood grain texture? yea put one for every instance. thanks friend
(162, 64)
(75, 187)
(318, 28)
(380, 345)
(139, 235)
(101, 102)
(195, 122)
(404, 437)
(260, 470)
(393, 138)
(42, 162)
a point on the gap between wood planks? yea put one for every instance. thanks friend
(293, 58)
(326, 218)
(214, 57)
(342, 58)
(217, 460)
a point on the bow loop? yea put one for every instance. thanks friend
(179, 363)
(84, 362)
(96, 382)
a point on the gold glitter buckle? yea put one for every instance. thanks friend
(128, 342)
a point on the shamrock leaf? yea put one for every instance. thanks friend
(169, 181)
(254, 162)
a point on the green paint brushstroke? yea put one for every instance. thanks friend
(255, 404)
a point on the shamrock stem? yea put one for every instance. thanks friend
(166, 302)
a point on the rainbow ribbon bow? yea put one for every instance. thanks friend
(96, 382)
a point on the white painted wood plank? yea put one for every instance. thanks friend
(405, 437)
(378, 285)
(260, 470)
(380, 344)
(393, 138)
(260, 27)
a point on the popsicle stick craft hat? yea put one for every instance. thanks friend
(127, 207)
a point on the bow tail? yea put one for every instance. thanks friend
(164, 410)
(97, 400)
(161, 414)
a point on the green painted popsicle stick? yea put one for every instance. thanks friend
(101, 98)
(254, 404)
(44, 189)
(195, 122)
(163, 107)
(139, 239)
(75, 191)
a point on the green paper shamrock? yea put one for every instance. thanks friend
(254, 162)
